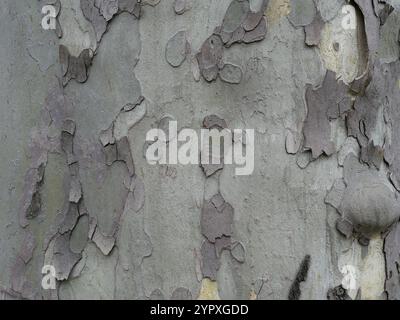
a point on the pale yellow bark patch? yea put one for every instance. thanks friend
(276, 10)
(253, 295)
(209, 290)
(373, 272)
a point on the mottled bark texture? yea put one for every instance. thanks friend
(77, 193)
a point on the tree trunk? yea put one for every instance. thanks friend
(86, 215)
